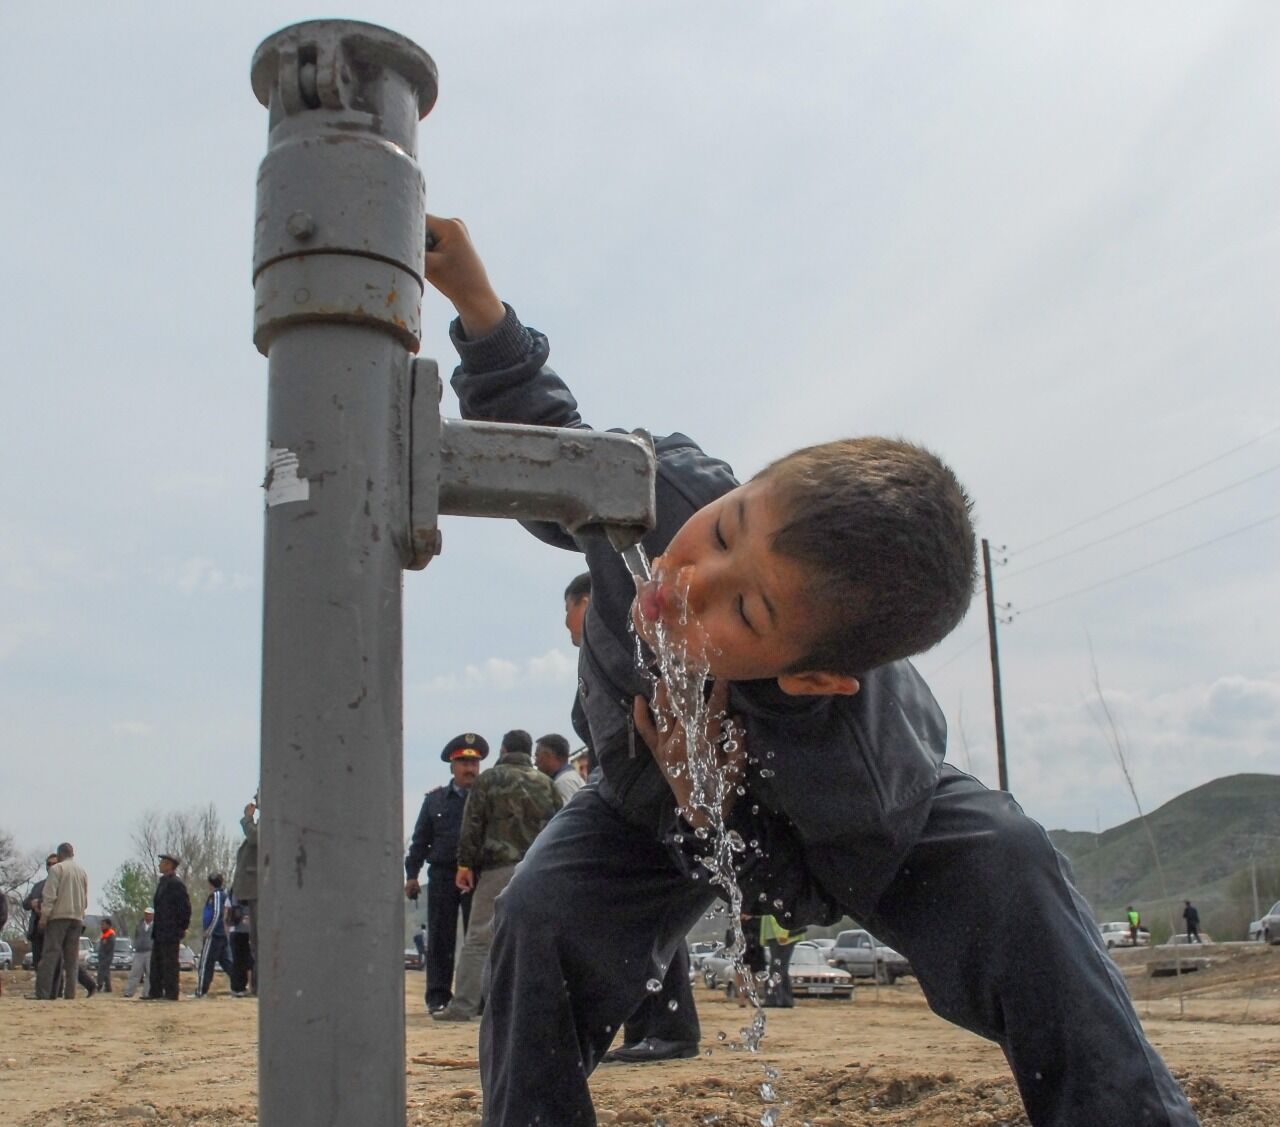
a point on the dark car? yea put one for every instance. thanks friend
(864, 956)
(122, 958)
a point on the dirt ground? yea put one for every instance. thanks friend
(881, 1059)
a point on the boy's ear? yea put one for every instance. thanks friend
(818, 684)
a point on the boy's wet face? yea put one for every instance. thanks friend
(745, 601)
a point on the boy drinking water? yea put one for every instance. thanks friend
(806, 588)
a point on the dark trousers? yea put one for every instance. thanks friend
(82, 975)
(444, 899)
(778, 991)
(216, 952)
(598, 907)
(104, 975)
(241, 961)
(164, 969)
(657, 1017)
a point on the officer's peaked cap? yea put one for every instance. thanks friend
(466, 746)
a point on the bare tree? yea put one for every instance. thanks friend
(196, 836)
(18, 868)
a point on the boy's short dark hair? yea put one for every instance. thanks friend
(556, 744)
(888, 531)
(579, 588)
(517, 740)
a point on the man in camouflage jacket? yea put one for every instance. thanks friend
(506, 809)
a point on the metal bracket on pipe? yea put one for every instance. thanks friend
(575, 478)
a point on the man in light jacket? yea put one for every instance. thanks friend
(66, 895)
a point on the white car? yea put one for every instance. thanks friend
(1117, 934)
(6, 956)
(1269, 925)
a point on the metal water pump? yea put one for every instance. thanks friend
(360, 465)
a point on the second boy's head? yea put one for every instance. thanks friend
(831, 561)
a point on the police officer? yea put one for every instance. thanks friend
(435, 841)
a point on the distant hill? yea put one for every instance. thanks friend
(1206, 839)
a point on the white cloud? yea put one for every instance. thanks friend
(199, 575)
(136, 728)
(14, 636)
(553, 668)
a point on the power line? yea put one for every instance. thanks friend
(1145, 492)
(1147, 566)
(955, 656)
(1144, 523)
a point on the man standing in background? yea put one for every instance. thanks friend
(551, 757)
(435, 842)
(506, 809)
(138, 970)
(172, 918)
(106, 953)
(63, 902)
(244, 885)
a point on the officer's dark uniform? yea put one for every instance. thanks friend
(435, 842)
(172, 907)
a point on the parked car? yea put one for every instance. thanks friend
(864, 956)
(716, 969)
(412, 960)
(123, 957)
(88, 951)
(186, 958)
(825, 944)
(29, 961)
(813, 977)
(700, 950)
(6, 956)
(1116, 934)
(1269, 925)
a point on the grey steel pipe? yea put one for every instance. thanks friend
(337, 288)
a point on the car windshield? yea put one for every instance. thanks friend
(808, 956)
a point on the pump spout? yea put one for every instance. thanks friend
(578, 479)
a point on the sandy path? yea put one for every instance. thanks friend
(881, 1059)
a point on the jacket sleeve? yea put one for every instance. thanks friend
(183, 905)
(474, 818)
(50, 896)
(420, 844)
(504, 378)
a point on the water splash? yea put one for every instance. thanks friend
(683, 666)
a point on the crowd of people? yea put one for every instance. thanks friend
(57, 905)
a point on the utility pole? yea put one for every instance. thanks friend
(1001, 763)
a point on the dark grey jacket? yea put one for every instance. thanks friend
(852, 777)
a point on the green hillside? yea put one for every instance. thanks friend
(1206, 839)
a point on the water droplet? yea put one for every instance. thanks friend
(767, 1093)
(659, 1123)
(701, 833)
(777, 903)
(673, 1005)
(769, 1118)
(770, 1073)
(722, 1036)
(653, 985)
(765, 773)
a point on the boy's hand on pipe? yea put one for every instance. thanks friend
(455, 269)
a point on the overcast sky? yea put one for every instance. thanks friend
(1041, 239)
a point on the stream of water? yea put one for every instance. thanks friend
(685, 672)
